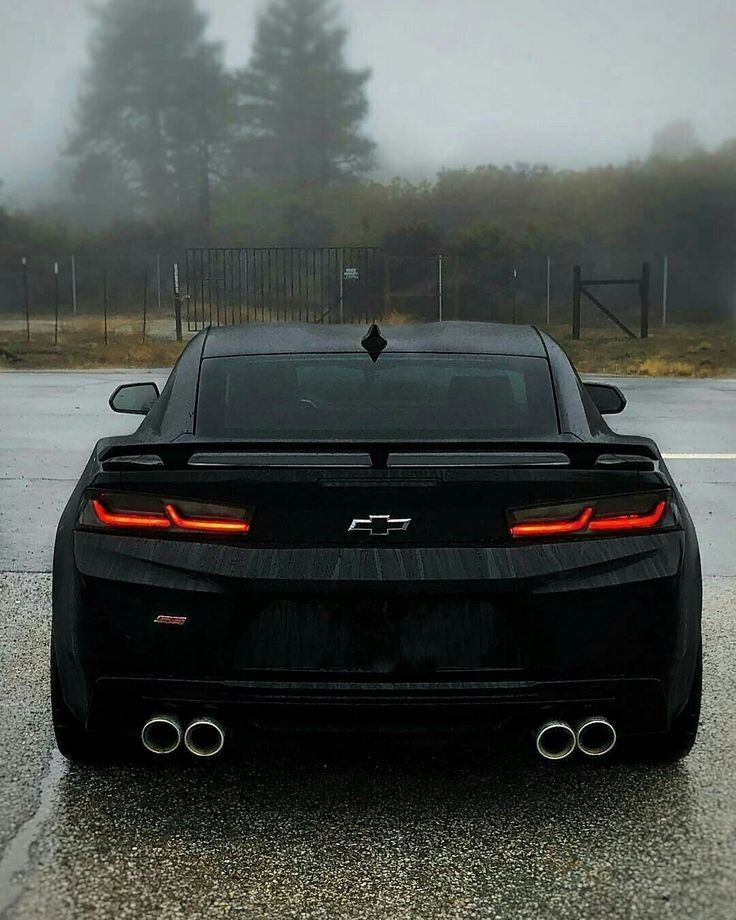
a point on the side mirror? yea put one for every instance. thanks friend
(608, 399)
(134, 398)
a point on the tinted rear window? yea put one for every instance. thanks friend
(401, 396)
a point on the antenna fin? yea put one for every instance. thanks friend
(374, 342)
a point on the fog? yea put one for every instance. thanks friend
(455, 82)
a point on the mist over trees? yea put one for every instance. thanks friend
(170, 149)
(676, 140)
(151, 118)
(299, 108)
(161, 126)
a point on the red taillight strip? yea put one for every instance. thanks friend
(630, 521)
(129, 519)
(207, 525)
(552, 528)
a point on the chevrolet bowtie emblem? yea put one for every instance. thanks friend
(379, 525)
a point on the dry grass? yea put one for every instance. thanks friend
(79, 352)
(81, 343)
(679, 351)
(396, 319)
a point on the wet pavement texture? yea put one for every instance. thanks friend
(391, 830)
(49, 424)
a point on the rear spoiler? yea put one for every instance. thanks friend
(632, 455)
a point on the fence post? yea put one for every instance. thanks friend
(145, 303)
(104, 305)
(549, 279)
(439, 287)
(340, 285)
(456, 285)
(386, 284)
(74, 285)
(56, 303)
(644, 296)
(576, 289)
(513, 303)
(177, 303)
(665, 286)
(24, 262)
(158, 282)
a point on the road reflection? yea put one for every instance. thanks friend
(395, 829)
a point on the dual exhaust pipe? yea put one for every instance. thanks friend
(164, 734)
(204, 737)
(594, 737)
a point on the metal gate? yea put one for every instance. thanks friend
(320, 285)
(580, 287)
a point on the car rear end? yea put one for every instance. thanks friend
(357, 578)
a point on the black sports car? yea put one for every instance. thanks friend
(429, 528)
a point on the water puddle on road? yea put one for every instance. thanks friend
(17, 856)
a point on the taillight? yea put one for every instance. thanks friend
(134, 519)
(146, 512)
(206, 524)
(640, 521)
(615, 514)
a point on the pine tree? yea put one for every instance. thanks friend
(100, 191)
(300, 108)
(154, 105)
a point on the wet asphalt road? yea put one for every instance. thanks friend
(393, 831)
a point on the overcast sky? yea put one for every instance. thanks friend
(455, 82)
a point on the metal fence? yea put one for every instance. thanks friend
(344, 284)
(321, 285)
(332, 285)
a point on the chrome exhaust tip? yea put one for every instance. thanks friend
(161, 734)
(204, 737)
(555, 741)
(596, 736)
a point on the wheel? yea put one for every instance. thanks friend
(679, 740)
(72, 738)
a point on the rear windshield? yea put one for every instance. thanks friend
(414, 396)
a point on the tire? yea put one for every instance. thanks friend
(679, 740)
(72, 738)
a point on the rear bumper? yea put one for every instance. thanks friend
(379, 638)
(636, 706)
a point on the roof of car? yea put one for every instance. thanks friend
(311, 338)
